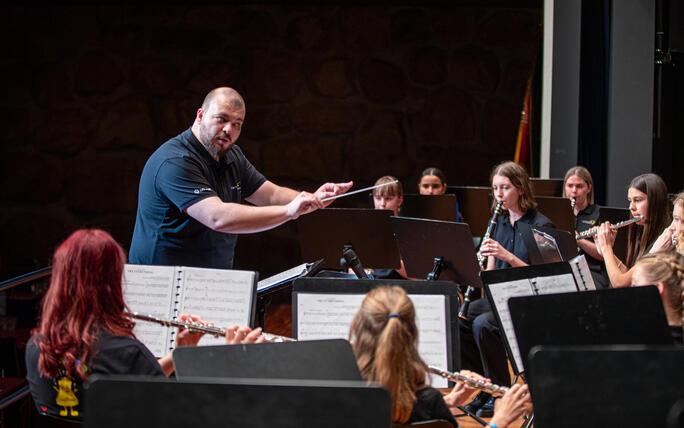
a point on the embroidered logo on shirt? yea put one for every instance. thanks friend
(590, 222)
(203, 189)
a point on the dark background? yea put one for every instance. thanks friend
(333, 92)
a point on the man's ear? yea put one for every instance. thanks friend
(200, 115)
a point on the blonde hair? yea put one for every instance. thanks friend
(384, 337)
(520, 179)
(585, 175)
(666, 267)
(390, 190)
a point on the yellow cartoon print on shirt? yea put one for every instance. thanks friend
(66, 397)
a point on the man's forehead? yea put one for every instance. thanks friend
(225, 106)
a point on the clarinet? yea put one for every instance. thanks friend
(201, 328)
(491, 388)
(463, 311)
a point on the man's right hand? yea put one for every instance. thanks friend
(303, 203)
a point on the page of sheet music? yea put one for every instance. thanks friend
(221, 296)
(556, 284)
(329, 316)
(501, 292)
(282, 277)
(148, 290)
(580, 268)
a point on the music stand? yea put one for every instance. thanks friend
(546, 244)
(434, 207)
(558, 210)
(360, 287)
(421, 241)
(616, 385)
(601, 317)
(616, 215)
(474, 202)
(315, 359)
(547, 186)
(137, 402)
(324, 233)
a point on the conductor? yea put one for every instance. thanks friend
(191, 191)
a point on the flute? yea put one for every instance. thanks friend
(592, 232)
(201, 328)
(491, 388)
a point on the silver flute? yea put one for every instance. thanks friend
(592, 232)
(491, 388)
(195, 327)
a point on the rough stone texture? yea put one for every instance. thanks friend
(446, 117)
(333, 92)
(428, 65)
(382, 82)
(475, 68)
(331, 78)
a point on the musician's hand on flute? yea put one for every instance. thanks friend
(664, 241)
(239, 335)
(512, 406)
(185, 337)
(605, 238)
(332, 189)
(461, 391)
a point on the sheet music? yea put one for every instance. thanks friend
(149, 290)
(329, 316)
(432, 333)
(501, 292)
(221, 296)
(326, 316)
(582, 273)
(556, 284)
(282, 277)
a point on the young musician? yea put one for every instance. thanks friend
(84, 329)
(481, 343)
(389, 197)
(579, 186)
(384, 337)
(665, 270)
(670, 238)
(647, 196)
(432, 182)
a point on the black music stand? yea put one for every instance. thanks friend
(422, 241)
(616, 215)
(324, 234)
(547, 186)
(434, 207)
(546, 244)
(600, 317)
(363, 286)
(558, 210)
(135, 402)
(614, 386)
(314, 359)
(475, 203)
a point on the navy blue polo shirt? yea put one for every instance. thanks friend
(179, 174)
(585, 220)
(510, 237)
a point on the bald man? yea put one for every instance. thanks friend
(191, 191)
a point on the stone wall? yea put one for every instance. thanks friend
(333, 93)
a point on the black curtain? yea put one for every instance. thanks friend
(592, 145)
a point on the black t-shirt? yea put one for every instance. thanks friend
(585, 220)
(510, 237)
(179, 174)
(63, 396)
(431, 405)
(677, 334)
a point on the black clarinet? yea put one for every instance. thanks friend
(463, 311)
